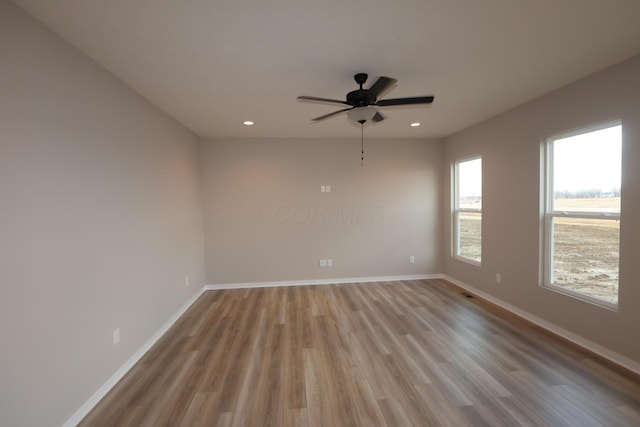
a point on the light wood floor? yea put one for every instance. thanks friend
(413, 353)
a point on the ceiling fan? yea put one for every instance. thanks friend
(362, 101)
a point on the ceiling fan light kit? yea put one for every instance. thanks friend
(361, 114)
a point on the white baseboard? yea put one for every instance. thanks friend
(320, 282)
(604, 352)
(117, 376)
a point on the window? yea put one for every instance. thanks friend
(582, 213)
(467, 212)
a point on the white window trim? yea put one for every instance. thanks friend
(455, 246)
(548, 215)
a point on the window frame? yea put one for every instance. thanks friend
(549, 214)
(457, 211)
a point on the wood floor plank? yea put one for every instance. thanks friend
(394, 413)
(195, 414)
(630, 414)
(365, 358)
(292, 374)
(296, 418)
(410, 353)
(525, 415)
(444, 412)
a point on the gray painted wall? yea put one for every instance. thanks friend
(266, 219)
(100, 222)
(510, 148)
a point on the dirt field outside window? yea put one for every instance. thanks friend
(586, 251)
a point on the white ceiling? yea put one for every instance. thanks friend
(213, 63)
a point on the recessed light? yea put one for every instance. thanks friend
(247, 123)
(415, 124)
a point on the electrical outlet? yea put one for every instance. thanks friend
(328, 188)
(329, 263)
(498, 278)
(116, 335)
(323, 188)
(323, 263)
(412, 259)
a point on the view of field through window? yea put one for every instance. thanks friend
(469, 209)
(585, 252)
(584, 212)
(585, 256)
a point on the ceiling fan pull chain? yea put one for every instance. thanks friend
(362, 143)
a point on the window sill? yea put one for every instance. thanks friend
(468, 260)
(582, 297)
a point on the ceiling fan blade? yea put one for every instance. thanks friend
(378, 117)
(315, 98)
(326, 116)
(405, 101)
(381, 85)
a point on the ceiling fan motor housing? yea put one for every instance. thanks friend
(360, 98)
